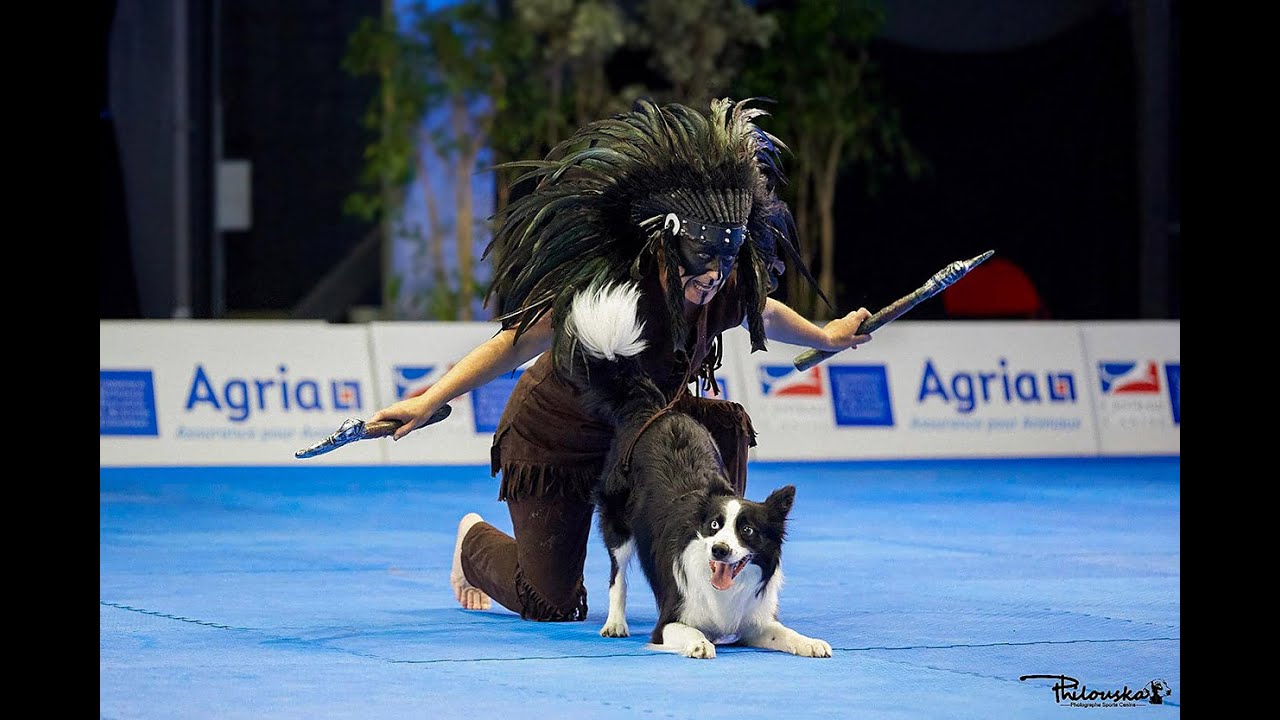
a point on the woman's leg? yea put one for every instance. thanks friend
(538, 573)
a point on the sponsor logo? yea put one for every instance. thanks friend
(1130, 396)
(860, 395)
(786, 380)
(239, 398)
(1173, 374)
(1128, 378)
(127, 403)
(411, 380)
(967, 389)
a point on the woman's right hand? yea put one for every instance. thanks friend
(498, 355)
(412, 411)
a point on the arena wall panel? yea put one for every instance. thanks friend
(202, 392)
(179, 393)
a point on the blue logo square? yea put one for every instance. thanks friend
(489, 400)
(1173, 373)
(127, 403)
(860, 395)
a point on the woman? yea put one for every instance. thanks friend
(685, 206)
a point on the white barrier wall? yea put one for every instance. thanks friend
(252, 393)
(230, 393)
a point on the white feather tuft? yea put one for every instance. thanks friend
(603, 319)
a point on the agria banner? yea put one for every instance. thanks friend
(253, 393)
(924, 390)
(230, 392)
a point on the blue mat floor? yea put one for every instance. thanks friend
(322, 592)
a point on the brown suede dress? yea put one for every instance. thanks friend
(551, 452)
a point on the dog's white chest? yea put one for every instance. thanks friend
(723, 615)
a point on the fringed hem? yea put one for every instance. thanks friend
(723, 418)
(535, 607)
(521, 481)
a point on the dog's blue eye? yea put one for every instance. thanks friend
(715, 524)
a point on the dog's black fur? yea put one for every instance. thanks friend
(665, 496)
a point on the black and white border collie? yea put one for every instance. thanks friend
(711, 557)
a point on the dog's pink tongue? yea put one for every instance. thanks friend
(721, 575)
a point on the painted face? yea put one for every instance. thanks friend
(707, 253)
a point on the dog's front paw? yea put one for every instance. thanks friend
(810, 647)
(702, 649)
(615, 629)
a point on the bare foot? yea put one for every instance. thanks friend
(469, 596)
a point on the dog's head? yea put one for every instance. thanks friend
(736, 532)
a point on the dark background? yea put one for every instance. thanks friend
(1035, 153)
(1051, 127)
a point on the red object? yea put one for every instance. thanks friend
(997, 288)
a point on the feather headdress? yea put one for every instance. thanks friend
(596, 211)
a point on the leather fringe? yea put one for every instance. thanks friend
(521, 481)
(535, 607)
(722, 417)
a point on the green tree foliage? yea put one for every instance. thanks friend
(515, 77)
(833, 113)
(455, 61)
(699, 46)
(376, 48)
(575, 40)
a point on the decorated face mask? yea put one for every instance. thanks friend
(705, 247)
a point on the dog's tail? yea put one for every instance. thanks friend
(607, 337)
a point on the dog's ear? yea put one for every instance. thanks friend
(779, 501)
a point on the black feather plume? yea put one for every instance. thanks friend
(594, 214)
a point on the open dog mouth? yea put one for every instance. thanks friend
(723, 573)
